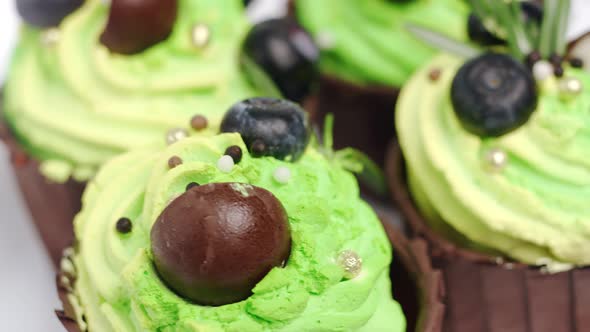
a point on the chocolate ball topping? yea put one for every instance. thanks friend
(215, 242)
(133, 26)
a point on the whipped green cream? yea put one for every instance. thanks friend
(366, 42)
(534, 210)
(74, 104)
(119, 290)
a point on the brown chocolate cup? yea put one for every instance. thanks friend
(51, 205)
(491, 294)
(416, 285)
(363, 114)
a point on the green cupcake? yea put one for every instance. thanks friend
(143, 206)
(496, 178)
(92, 79)
(73, 104)
(367, 42)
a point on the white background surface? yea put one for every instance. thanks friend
(27, 291)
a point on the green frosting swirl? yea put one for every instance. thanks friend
(74, 105)
(534, 210)
(368, 41)
(118, 289)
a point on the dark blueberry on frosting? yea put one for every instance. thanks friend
(269, 127)
(46, 13)
(133, 26)
(124, 225)
(286, 53)
(493, 94)
(215, 242)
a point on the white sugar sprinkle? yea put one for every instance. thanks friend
(225, 164)
(542, 70)
(282, 174)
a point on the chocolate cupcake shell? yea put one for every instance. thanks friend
(492, 294)
(52, 206)
(363, 114)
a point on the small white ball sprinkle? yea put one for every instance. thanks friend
(495, 160)
(570, 87)
(282, 174)
(201, 35)
(50, 37)
(325, 40)
(542, 70)
(176, 134)
(225, 164)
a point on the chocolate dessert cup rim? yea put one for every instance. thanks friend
(6, 135)
(395, 171)
(412, 254)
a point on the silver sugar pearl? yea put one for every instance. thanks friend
(50, 37)
(542, 70)
(325, 40)
(200, 35)
(176, 134)
(495, 160)
(351, 263)
(570, 87)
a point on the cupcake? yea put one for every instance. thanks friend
(92, 79)
(222, 234)
(495, 179)
(367, 54)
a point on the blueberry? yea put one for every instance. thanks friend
(46, 13)
(269, 127)
(478, 32)
(286, 53)
(493, 95)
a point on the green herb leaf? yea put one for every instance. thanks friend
(443, 42)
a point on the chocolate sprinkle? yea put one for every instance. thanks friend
(434, 74)
(533, 58)
(199, 122)
(191, 185)
(555, 59)
(235, 152)
(174, 161)
(558, 71)
(258, 148)
(124, 225)
(576, 62)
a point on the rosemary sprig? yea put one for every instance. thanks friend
(560, 44)
(506, 19)
(546, 40)
(443, 42)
